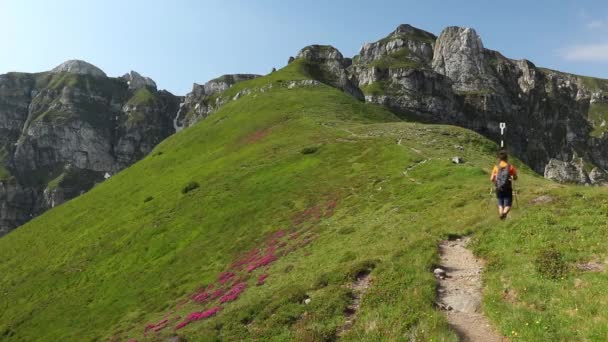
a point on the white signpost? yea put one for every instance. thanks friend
(502, 132)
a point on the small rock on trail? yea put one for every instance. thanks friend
(460, 292)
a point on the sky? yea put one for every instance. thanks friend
(179, 42)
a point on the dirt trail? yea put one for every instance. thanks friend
(460, 292)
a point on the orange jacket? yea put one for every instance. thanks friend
(512, 170)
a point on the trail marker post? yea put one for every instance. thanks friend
(502, 126)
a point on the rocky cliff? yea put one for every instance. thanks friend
(204, 100)
(552, 117)
(65, 130)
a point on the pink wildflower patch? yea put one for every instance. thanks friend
(156, 326)
(197, 316)
(245, 259)
(224, 277)
(201, 297)
(257, 135)
(263, 261)
(262, 279)
(234, 292)
(331, 207)
(217, 293)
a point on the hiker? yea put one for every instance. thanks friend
(503, 176)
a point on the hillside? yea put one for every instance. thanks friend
(295, 191)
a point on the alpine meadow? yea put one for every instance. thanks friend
(308, 204)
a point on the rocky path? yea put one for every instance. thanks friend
(460, 292)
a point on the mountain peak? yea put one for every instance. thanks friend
(136, 80)
(76, 66)
(407, 29)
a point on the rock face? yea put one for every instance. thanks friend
(327, 63)
(79, 67)
(459, 55)
(201, 102)
(137, 81)
(566, 172)
(453, 79)
(62, 131)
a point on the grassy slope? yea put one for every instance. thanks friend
(123, 255)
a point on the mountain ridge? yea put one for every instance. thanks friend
(556, 121)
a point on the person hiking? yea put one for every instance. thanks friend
(503, 176)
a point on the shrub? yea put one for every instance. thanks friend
(309, 150)
(551, 264)
(189, 187)
(148, 199)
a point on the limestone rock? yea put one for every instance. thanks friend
(137, 81)
(459, 55)
(76, 66)
(328, 65)
(199, 103)
(70, 134)
(566, 172)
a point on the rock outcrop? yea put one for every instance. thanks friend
(62, 131)
(137, 81)
(202, 100)
(76, 66)
(327, 64)
(454, 79)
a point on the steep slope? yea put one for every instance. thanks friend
(254, 223)
(62, 131)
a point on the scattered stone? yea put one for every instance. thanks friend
(307, 301)
(542, 199)
(590, 266)
(457, 160)
(439, 273)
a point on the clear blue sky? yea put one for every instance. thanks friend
(178, 42)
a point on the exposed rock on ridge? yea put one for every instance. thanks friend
(76, 66)
(201, 102)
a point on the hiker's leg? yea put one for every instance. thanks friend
(501, 205)
(508, 201)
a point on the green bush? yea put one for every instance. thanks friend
(189, 187)
(550, 264)
(309, 150)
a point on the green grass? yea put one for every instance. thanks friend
(102, 266)
(398, 59)
(419, 36)
(375, 88)
(598, 115)
(594, 83)
(143, 97)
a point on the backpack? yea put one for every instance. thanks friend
(503, 178)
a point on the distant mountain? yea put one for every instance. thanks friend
(64, 130)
